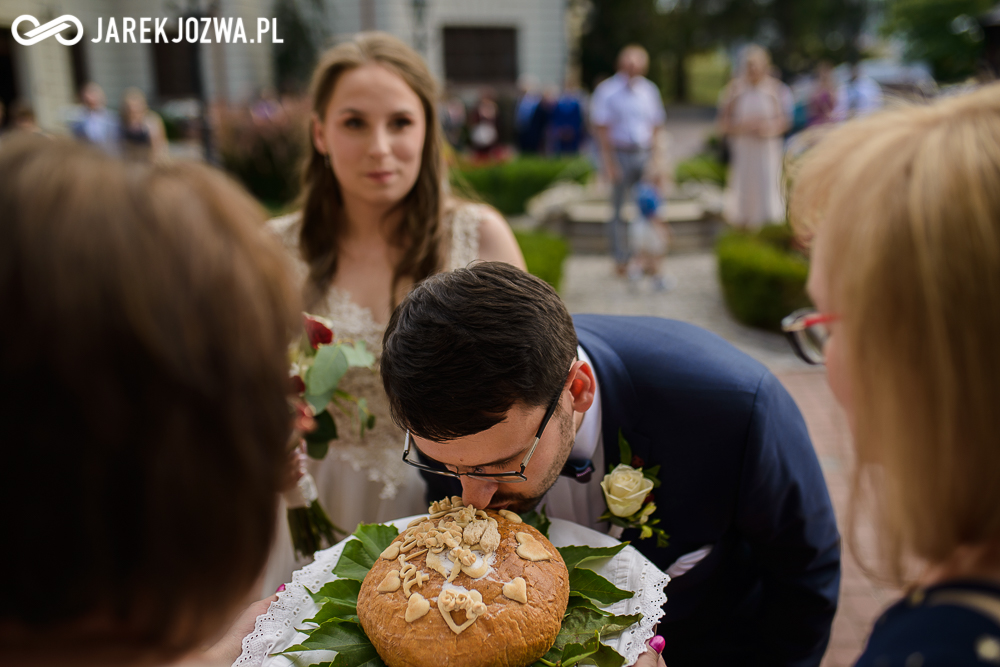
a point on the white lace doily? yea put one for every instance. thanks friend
(629, 569)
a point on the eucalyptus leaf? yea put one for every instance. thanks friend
(576, 555)
(318, 440)
(358, 355)
(353, 647)
(593, 586)
(537, 520)
(323, 376)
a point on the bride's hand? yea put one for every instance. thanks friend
(651, 657)
(229, 647)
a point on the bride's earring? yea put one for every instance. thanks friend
(326, 161)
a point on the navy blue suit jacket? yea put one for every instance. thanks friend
(738, 472)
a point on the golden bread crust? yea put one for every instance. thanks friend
(507, 634)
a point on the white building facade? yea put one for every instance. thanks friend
(467, 43)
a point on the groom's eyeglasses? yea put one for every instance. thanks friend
(510, 477)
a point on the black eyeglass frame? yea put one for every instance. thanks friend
(797, 328)
(488, 476)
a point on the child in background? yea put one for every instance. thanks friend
(648, 237)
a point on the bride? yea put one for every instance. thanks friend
(375, 219)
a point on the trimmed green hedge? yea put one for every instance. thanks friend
(704, 167)
(544, 254)
(762, 279)
(509, 185)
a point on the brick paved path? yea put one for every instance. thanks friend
(590, 286)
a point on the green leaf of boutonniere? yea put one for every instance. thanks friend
(353, 647)
(537, 520)
(594, 587)
(624, 449)
(576, 555)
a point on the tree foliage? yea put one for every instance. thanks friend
(944, 33)
(302, 25)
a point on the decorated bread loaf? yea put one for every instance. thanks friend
(466, 588)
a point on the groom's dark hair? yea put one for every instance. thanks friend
(463, 347)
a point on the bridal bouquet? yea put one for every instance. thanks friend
(318, 362)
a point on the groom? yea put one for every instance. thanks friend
(494, 381)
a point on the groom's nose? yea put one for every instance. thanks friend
(477, 492)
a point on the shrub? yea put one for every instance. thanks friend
(509, 185)
(704, 167)
(761, 281)
(265, 154)
(544, 254)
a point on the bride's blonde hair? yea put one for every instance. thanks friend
(908, 202)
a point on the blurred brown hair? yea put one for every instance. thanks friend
(907, 206)
(420, 231)
(144, 372)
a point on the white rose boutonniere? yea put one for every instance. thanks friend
(628, 493)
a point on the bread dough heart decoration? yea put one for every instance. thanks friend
(416, 607)
(471, 602)
(530, 549)
(391, 582)
(517, 590)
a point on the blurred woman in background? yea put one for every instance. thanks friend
(905, 209)
(143, 364)
(142, 134)
(376, 217)
(753, 117)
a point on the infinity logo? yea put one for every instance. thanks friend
(40, 32)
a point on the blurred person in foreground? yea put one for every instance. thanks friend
(753, 116)
(145, 412)
(142, 134)
(626, 112)
(904, 210)
(95, 124)
(490, 375)
(376, 218)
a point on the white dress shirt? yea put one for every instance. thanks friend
(569, 499)
(631, 109)
(582, 503)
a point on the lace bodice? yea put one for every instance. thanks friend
(377, 455)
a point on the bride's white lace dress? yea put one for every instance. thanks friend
(362, 479)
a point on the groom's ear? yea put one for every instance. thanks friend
(581, 385)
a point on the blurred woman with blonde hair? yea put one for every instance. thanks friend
(753, 117)
(375, 219)
(142, 134)
(904, 210)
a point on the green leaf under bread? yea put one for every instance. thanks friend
(577, 555)
(537, 520)
(593, 586)
(353, 647)
(337, 599)
(360, 554)
(580, 623)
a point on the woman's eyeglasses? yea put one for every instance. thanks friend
(808, 330)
